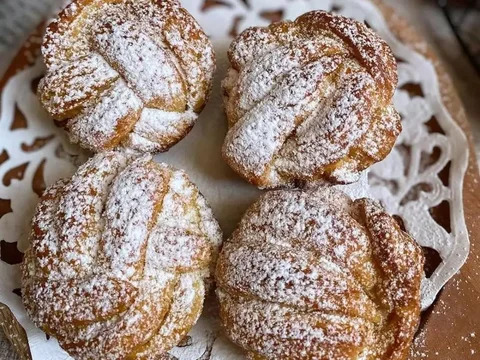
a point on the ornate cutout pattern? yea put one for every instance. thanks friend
(421, 181)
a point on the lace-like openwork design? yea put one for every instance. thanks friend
(313, 275)
(36, 153)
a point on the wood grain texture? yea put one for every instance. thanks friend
(15, 333)
(450, 329)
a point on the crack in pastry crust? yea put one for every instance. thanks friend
(309, 100)
(118, 258)
(314, 275)
(130, 73)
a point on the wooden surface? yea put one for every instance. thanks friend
(430, 22)
(450, 330)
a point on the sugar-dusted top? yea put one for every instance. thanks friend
(313, 275)
(309, 100)
(118, 258)
(132, 73)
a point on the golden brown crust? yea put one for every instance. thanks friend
(374, 54)
(111, 271)
(313, 275)
(130, 73)
(309, 100)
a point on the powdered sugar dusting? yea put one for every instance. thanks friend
(92, 44)
(313, 274)
(145, 65)
(415, 111)
(115, 257)
(301, 98)
(71, 87)
(100, 124)
(186, 308)
(269, 123)
(161, 128)
(294, 335)
(330, 135)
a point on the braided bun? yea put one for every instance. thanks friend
(131, 73)
(313, 275)
(309, 100)
(118, 258)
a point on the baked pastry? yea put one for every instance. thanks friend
(313, 275)
(309, 100)
(118, 258)
(134, 73)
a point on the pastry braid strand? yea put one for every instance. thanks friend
(309, 100)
